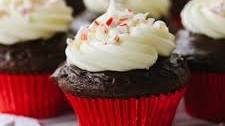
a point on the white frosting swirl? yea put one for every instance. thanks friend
(24, 20)
(120, 41)
(155, 8)
(205, 17)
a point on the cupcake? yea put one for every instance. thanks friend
(202, 43)
(120, 70)
(32, 43)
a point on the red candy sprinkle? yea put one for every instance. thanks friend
(109, 21)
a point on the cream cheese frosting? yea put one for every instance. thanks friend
(155, 8)
(205, 17)
(24, 20)
(120, 40)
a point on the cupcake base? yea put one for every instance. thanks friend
(205, 98)
(33, 95)
(145, 111)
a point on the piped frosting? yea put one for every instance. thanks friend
(120, 40)
(205, 17)
(24, 20)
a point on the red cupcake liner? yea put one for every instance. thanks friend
(33, 95)
(146, 111)
(205, 98)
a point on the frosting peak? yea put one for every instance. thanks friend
(120, 40)
(205, 17)
(24, 20)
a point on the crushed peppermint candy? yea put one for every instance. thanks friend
(109, 21)
(111, 28)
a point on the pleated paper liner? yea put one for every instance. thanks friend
(146, 111)
(33, 95)
(205, 98)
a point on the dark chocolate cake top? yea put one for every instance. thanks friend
(166, 76)
(201, 52)
(38, 56)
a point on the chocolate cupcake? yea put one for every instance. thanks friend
(32, 39)
(120, 70)
(202, 43)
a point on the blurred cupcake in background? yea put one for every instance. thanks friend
(156, 8)
(120, 70)
(167, 10)
(32, 35)
(202, 43)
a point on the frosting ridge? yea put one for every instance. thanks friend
(24, 20)
(120, 40)
(205, 17)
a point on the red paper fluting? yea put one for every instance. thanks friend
(33, 95)
(205, 98)
(146, 111)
